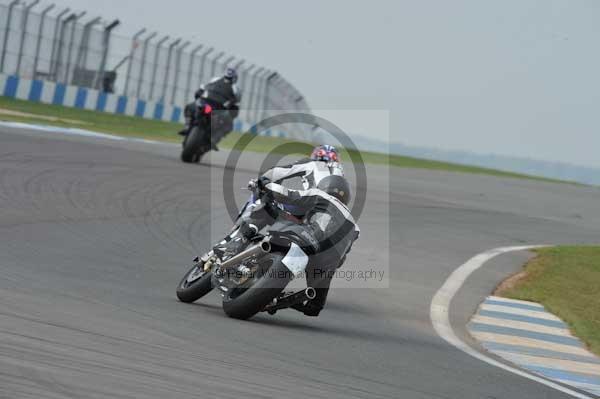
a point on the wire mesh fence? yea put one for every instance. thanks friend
(60, 48)
(73, 48)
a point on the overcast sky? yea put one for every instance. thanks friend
(514, 77)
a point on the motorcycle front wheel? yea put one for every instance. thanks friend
(195, 284)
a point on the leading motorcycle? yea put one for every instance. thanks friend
(253, 279)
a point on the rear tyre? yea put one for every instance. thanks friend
(191, 146)
(253, 300)
(195, 284)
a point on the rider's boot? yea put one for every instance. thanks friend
(314, 306)
(215, 137)
(189, 109)
(183, 132)
(320, 280)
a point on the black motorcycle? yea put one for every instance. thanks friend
(253, 279)
(208, 127)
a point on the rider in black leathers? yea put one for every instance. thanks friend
(222, 94)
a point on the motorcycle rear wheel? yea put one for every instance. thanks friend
(253, 300)
(193, 147)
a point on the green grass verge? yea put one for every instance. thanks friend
(566, 280)
(91, 120)
(165, 131)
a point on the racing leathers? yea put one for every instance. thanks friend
(224, 97)
(309, 171)
(221, 93)
(328, 232)
(255, 215)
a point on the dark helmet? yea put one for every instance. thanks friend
(336, 186)
(231, 74)
(326, 153)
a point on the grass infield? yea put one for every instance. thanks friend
(566, 280)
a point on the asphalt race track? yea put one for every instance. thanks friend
(95, 235)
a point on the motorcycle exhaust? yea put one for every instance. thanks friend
(262, 248)
(265, 245)
(291, 300)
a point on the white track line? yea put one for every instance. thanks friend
(75, 132)
(441, 321)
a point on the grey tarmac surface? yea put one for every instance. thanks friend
(95, 235)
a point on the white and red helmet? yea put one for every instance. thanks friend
(325, 153)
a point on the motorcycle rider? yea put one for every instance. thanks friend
(328, 231)
(324, 161)
(222, 94)
(322, 218)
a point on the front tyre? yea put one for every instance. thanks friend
(247, 303)
(195, 284)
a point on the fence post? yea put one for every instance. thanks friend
(260, 86)
(244, 78)
(71, 41)
(57, 29)
(188, 85)
(105, 48)
(252, 97)
(214, 64)
(260, 94)
(239, 64)
(202, 67)
(87, 41)
(11, 6)
(25, 20)
(155, 69)
(266, 95)
(38, 45)
(81, 58)
(59, 52)
(228, 61)
(143, 64)
(130, 65)
(178, 69)
(166, 79)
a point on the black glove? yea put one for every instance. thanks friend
(258, 185)
(261, 183)
(248, 230)
(234, 111)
